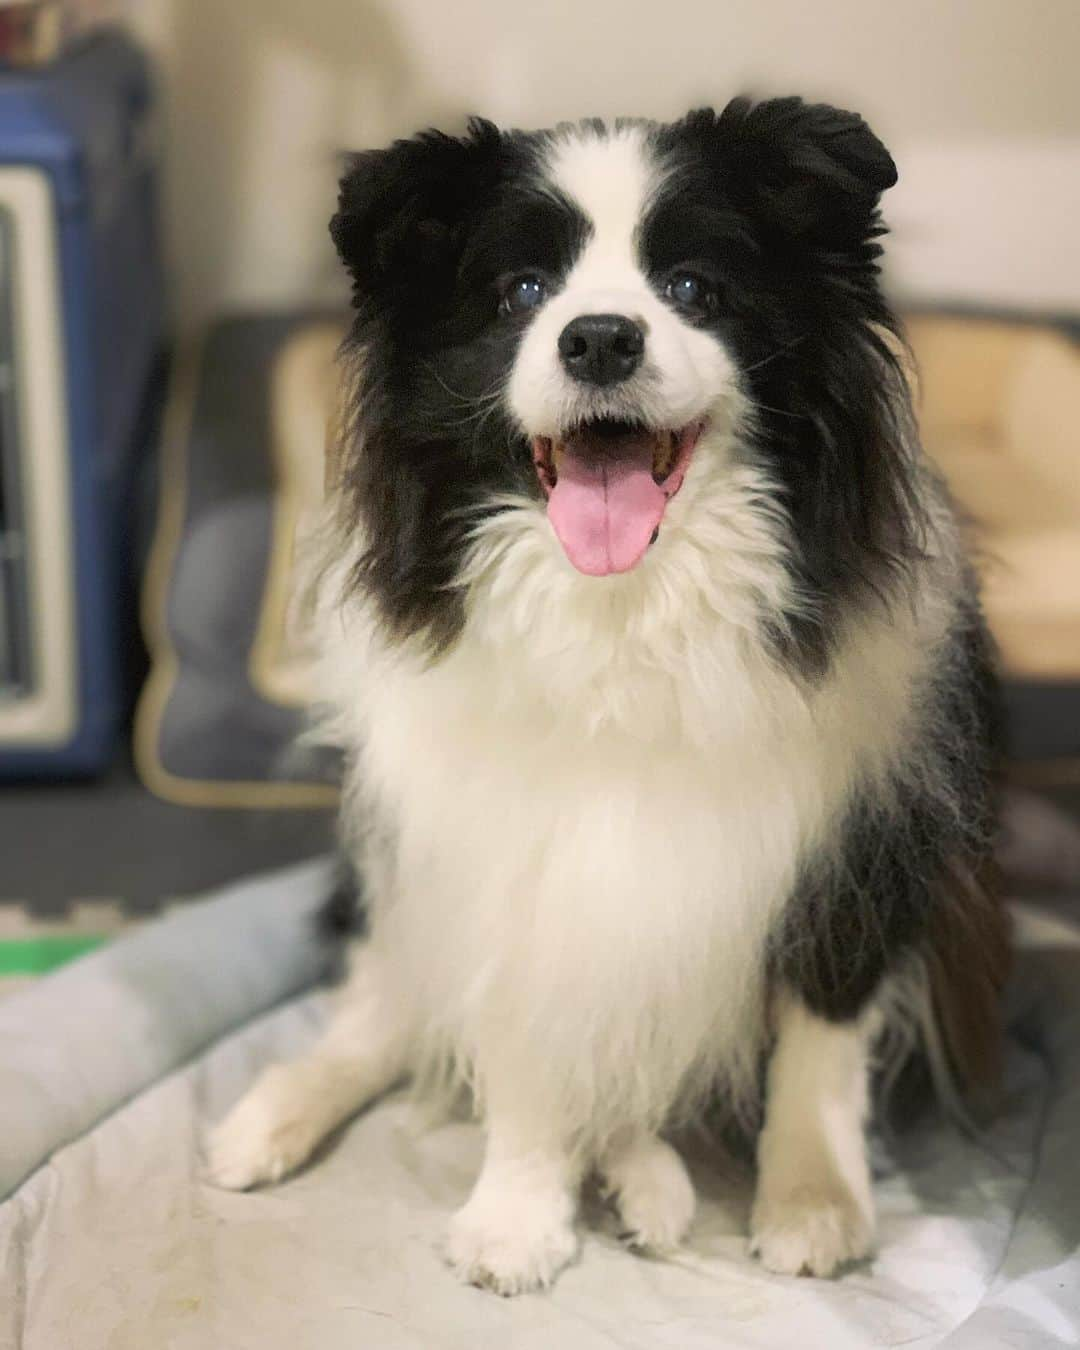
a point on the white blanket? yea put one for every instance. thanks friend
(109, 1239)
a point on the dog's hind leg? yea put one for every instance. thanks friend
(292, 1106)
(814, 1210)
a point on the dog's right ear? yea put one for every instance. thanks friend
(402, 211)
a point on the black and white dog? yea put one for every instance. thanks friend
(650, 639)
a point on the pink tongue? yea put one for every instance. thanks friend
(605, 508)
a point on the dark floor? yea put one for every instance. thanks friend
(112, 840)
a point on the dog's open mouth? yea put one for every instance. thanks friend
(608, 484)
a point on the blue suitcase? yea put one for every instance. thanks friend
(81, 336)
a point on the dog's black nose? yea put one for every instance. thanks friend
(601, 348)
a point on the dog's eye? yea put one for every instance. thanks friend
(522, 294)
(690, 292)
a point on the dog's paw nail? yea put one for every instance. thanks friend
(807, 1234)
(517, 1259)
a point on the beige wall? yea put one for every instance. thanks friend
(261, 93)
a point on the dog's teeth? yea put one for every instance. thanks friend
(664, 455)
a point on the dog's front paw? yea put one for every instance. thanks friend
(654, 1196)
(810, 1231)
(510, 1249)
(270, 1131)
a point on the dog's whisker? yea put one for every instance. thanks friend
(492, 392)
(780, 351)
(779, 412)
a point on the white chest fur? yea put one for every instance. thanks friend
(600, 799)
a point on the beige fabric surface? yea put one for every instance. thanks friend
(304, 387)
(1000, 412)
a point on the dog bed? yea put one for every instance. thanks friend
(110, 1240)
(998, 408)
(219, 717)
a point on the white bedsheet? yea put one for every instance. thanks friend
(113, 1242)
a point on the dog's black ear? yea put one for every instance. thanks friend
(807, 170)
(401, 210)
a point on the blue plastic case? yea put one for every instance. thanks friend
(85, 125)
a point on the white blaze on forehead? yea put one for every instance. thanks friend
(611, 178)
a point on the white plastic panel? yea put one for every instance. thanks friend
(46, 716)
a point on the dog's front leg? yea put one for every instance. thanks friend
(516, 1230)
(294, 1105)
(813, 1210)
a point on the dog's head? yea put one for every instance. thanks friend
(574, 316)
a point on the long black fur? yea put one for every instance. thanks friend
(879, 893)
(428, 229)
(779, 202)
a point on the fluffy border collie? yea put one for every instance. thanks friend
(666, 700)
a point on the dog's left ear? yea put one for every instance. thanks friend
(807, 170)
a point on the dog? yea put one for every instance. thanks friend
(654, 650)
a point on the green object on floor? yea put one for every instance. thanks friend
(38, 955)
